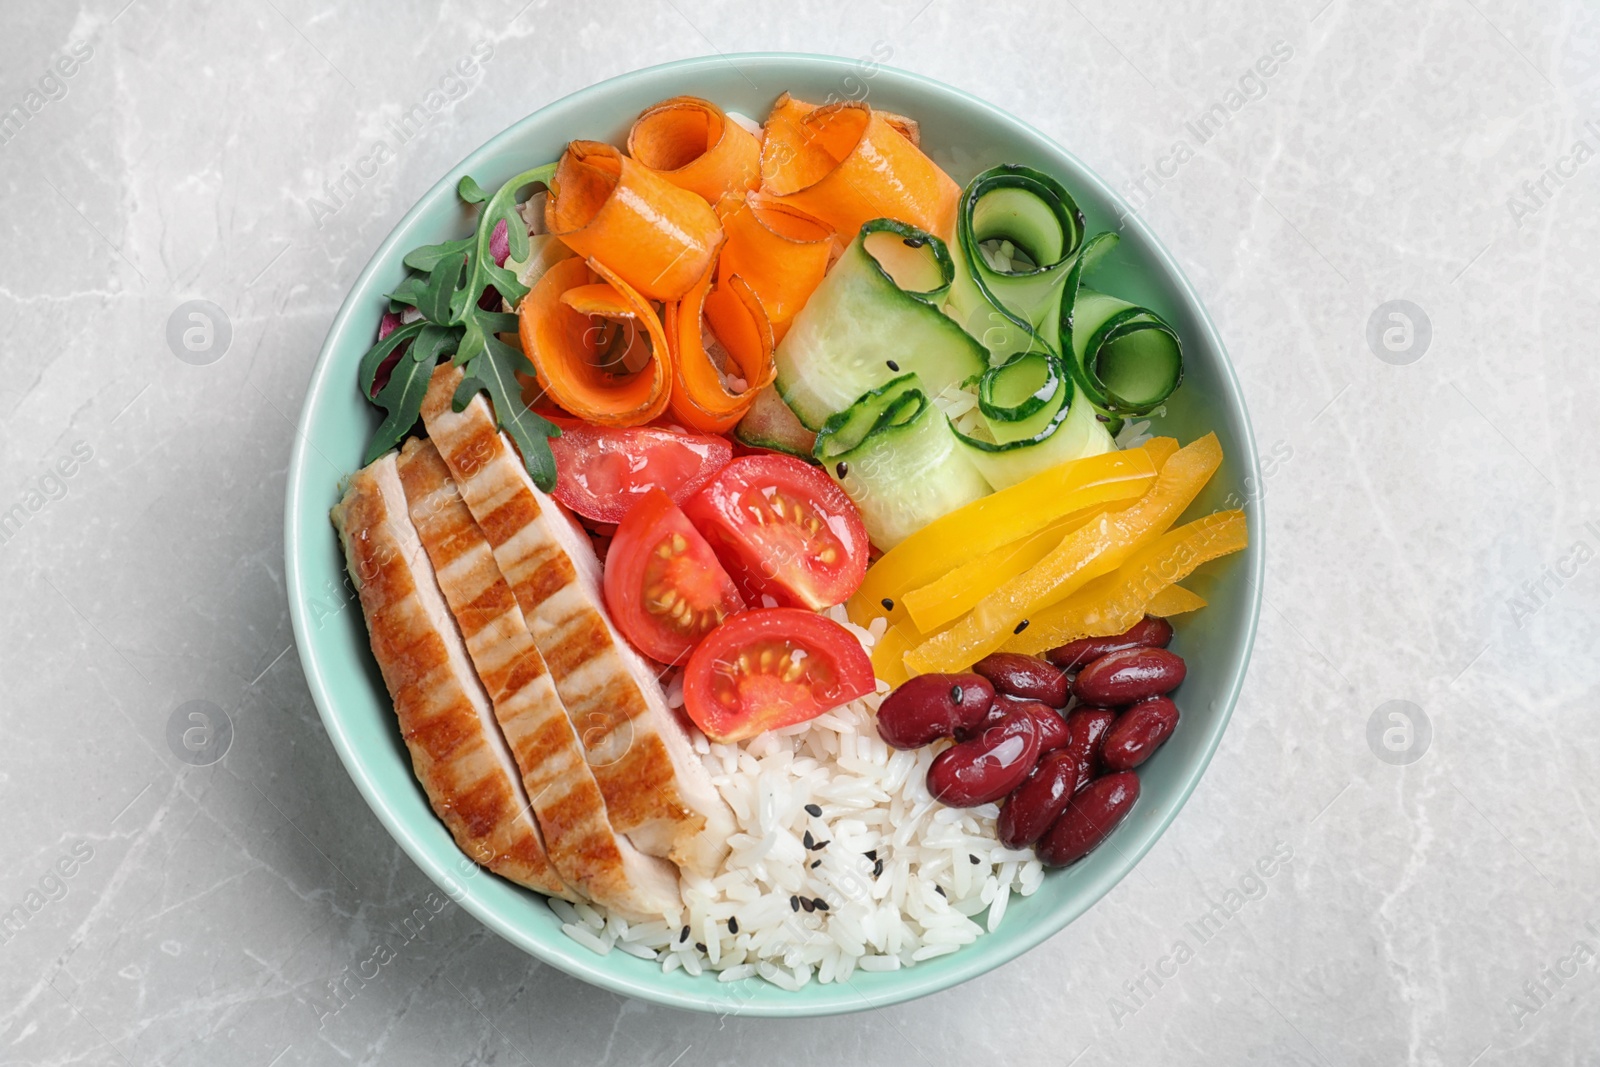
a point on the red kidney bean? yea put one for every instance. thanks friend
(1128, 675)
(1051, 725)
(1053, 732)
(987, 767)
(1086, 730)
(1148, 632)
(1089, 819)
(998, 711)
(1024, 677)
(1137, 733)
(1039, 800)
(931, 706)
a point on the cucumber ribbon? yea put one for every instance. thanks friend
(874, 317)
(1036, 231)
(1126, 358)
(895, 455)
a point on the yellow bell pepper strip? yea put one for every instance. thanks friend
(1111, 604)
(889, 654)
(997, 520)
(1161, 449)
(956, 592)
(1174, 600)
(1082, 556)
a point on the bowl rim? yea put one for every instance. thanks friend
(916, 982)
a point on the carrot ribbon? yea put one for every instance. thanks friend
(596, 345)
(781, 254)
(656, 237)
(732, 314)
(694, 145)
(847, 163)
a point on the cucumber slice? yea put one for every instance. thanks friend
(1005, 305)
(771, 425)
(1073, 431)
(875, 316)
(1123, 356)
(894, 454)
(1022, 396)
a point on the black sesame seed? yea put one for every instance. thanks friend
(684, 936)
(940, 890)
(809, 841)
(820, 845)
(701, 945)
(822, 905)
(877, 869)
(1021, 626)
(808, 904)
(814, 809)
(892, 365)
(815, 864)
(974, 859)
(841, 468)
(794, 903)
(733, 924)
(888, 603)
(914, 242)
(871, 854)
(955, 694)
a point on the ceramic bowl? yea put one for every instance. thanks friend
(964, 135)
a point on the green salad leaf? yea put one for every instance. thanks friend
(446, 288)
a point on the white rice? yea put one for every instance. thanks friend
(944, 880)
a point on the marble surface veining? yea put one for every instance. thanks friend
(1433, 502)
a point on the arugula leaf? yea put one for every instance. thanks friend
(367, 370)
(407, 294)
(434, 341)
(402, 399)
(449, 282)
(438, 296)
(428, 256)
(494, 372)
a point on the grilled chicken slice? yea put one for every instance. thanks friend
(656, 789)
(445, 715)
(578, 835)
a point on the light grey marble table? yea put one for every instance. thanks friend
(1416, 753)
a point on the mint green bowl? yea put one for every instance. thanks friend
(964, 135)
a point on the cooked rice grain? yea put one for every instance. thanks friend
(895, 884)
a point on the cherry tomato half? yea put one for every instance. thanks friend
(602, 471)
(784, 529)
(663, 585)
(770, 668)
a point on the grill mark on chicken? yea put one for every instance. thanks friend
(655, 787)
(566, 798)
(456, 751)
